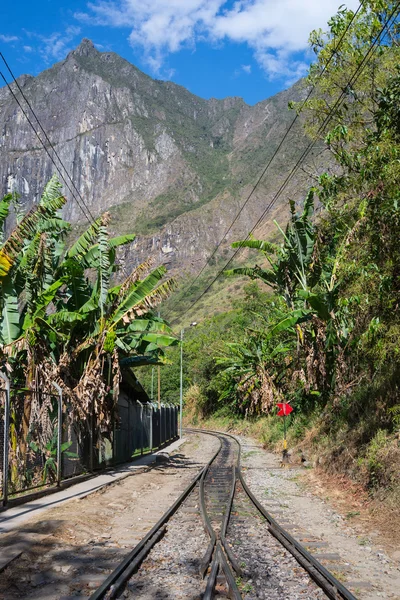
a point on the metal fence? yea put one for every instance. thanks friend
(41, 445)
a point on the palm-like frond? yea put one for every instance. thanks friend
(104, 268)
(4, 210)
(143, 296)
(89, 238)
(27, 228)
(10, 327)
(262, 245)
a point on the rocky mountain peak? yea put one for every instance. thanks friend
(85, 48)
(170, 166)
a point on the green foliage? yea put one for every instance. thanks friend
(61, 321)
(327, 335)
(49, 454)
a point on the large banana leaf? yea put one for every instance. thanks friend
(119, 292)
(317, 303)
(294, 318)
(27, 228)
(42, 303)
(88, 239)
(51, 192)
(10, 327)
(121, 240)
(262, 245)
(4, 209)
(91, 258)
(266, 275)
(78, 288)
(139, 361)
(142, 293)
(104, 268)
(160, 340)
(145, 325)
(65, 318)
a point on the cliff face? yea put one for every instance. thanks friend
(170, 166)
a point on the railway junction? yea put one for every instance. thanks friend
(219, 519)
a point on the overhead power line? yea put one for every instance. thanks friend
(261, 177)
(352, 80)
(75, 194)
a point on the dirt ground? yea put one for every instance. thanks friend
(367, 516)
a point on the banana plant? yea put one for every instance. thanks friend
(308, 288)
(63, 314)
(291, 262)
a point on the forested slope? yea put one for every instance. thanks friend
(321, 327)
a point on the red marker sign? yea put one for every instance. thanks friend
(284, 409)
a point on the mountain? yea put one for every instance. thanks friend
(170, 166)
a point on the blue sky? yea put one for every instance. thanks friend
(215, 48)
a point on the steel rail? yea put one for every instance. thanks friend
(212, 578)
(134, 565)
(333, 588)
(328, 582)
(122, 572)
(204, 563)
(233, 589)
(217, 544)
(220, 562)
(225, 524)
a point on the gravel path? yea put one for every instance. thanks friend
(270, 572)
(171, 570)
(356, 560)
(72, 551)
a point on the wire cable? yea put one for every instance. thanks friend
(305, 153)
(277, 149)
(48, 140)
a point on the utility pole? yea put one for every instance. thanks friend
(181, 388)
(152, 384)
(159, 386)
(159, 381)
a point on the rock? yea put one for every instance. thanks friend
(38, 579)
(162, 457)
(108, 120)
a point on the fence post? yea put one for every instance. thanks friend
(151, 428)
(141, 426)
(161, 425)
(114, 441)
(165, 424)
(91, 440)
(6, 433)
(59, 433)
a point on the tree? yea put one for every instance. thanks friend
(64, 318)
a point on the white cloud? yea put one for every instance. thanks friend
(28, 48)
(274, 30)
(242, 69)
(57, 45)
(8, 38)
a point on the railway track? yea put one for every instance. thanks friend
(228, 510)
